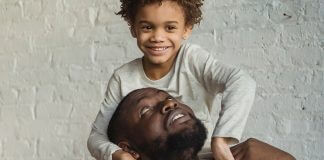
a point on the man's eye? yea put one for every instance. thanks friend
(169, 98)
(144, 110)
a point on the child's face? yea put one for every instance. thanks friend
(160, 30)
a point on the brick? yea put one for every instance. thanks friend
(283, 12)
(30, 128)
(16, 114)
(10, 12)
(84, 74)
(93, 15)
(55, 41)
(118, 28)
(45, 93)
(132, 51)
(225, 18)
(48, 148)
(91, 35)
(317, 82)
(33, 60)
(79, 150)
(249, 38)
(85, 112)
(53, 110)
(300, 36)
(106, 18)
(13, 44)
(74, 128)
(1, 147)
(26, 95)
(31, 9)
(29, 28)
(110, 52)
(313, 59)
(207, 37)
(251, 15)
(26, 148)
(321, 10)
(77, 92)
(8, 95)
(71, 55)
(32, 77)
(7, 63)
(312, 10)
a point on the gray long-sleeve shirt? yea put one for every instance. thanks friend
(195, 79)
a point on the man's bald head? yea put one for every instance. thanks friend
(156, 126)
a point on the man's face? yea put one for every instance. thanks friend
(153, 117)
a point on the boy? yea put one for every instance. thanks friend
(185, 71)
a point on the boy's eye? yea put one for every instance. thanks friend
(146, 27)
(170, 28)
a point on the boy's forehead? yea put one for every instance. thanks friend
(163, 7)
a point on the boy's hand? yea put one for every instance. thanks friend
(253, 149)
(122, 155)
(220, 149)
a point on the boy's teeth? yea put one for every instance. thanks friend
(159, 49)
(177, 117)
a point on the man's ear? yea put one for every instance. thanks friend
(127, 148)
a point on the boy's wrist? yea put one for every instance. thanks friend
(220, 148)
(121, 155)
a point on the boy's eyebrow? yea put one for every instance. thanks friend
(167, 22)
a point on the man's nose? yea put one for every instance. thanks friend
(168, 105)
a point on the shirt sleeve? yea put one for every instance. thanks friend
(236, 86)
(99, 145)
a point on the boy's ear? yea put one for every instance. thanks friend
(133, 32)
(187, 32)
(127, 148)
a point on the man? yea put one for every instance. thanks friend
(150, 124)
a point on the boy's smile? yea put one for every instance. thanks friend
(160, 30)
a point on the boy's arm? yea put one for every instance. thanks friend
(98, 143)
(237, 88)
(220, 148)
(253, 149)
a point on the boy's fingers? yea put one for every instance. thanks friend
(237, 148)
(237, 151)
(239, 154)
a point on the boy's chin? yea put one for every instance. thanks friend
(156, 60)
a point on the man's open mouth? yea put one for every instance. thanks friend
(176, 117)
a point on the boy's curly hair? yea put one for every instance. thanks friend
(191, 8)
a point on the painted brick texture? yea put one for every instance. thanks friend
(56, 57)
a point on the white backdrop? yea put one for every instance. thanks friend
(56, 57)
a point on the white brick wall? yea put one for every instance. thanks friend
(56, 57)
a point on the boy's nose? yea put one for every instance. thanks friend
(158, 36)
(168, 105)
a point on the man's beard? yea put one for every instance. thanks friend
(180, 146)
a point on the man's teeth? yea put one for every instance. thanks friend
(177, 117)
